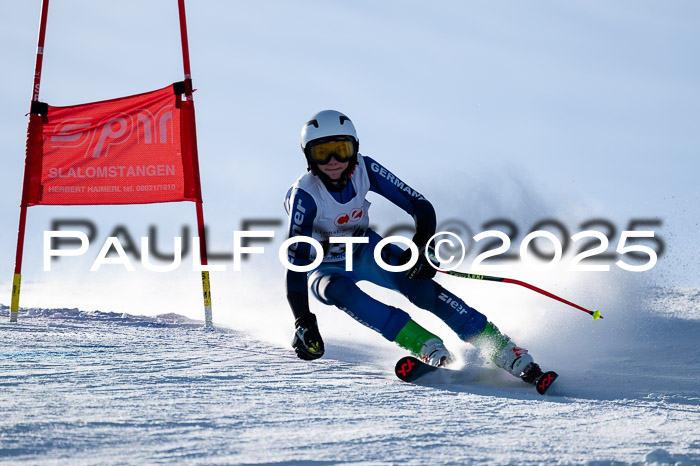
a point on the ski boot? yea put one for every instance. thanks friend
(515, 360)
(435, 353)
(424, 345)
(505, 354)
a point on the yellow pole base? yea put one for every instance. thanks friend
(208, 323)
(14, 305)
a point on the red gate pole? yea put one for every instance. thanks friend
(200, 213)
(17, 279)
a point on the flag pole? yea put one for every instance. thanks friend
(200, 213)
(17, 278)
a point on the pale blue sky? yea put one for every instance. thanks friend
(572, 110)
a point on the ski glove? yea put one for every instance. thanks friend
(424, 268)
(307, 342)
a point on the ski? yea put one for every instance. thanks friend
(541, 380)
(545, 381)
(411, 369)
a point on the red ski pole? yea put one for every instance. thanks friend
(596, 314)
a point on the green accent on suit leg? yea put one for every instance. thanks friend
(491, 341)
(412, 337)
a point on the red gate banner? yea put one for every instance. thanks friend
(132, 150)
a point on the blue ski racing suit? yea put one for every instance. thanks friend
(317, 212)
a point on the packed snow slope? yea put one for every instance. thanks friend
(94, 387)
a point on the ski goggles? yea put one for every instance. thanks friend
(321, 152)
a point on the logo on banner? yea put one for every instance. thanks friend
(114, 130)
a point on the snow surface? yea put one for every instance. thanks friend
(94, 387)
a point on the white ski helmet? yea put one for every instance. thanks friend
(325, 127)
(327, 123)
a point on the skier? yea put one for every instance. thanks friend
(329, 201)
